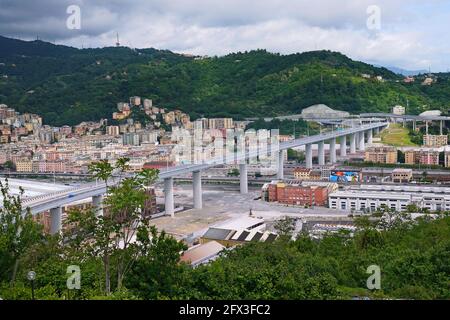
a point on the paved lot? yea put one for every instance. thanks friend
(224, 202)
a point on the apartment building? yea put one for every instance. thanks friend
(447, 158)
(220, 123)
(425, 156)
(112, 130)
(381, 154)
(435, 140)
(24, 166)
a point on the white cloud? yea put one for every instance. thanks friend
(407, 37)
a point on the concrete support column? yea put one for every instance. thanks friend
(441, 127)
(243, 178)
(308, 156)
(333, 150)
(343, 148)
(369, 136)
(426, 127)
(321, 153)
(362, 143)
(168, 197)
(197, 189)
(414, 125)
(280, 172)
(353, 143)
(55, 220)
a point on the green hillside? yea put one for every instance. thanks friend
(67, 85)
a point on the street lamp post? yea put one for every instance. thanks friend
(31, 276)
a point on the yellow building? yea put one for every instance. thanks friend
(381, 154)
(402, 175)
(24, 166)
(302, 173)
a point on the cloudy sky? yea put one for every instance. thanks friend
(412, 34)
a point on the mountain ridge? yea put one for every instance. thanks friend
(67, 85)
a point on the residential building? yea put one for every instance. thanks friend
(425, 156)
(381, 154)
(135, 101)
(130, 139)
(112, 130)
(447, 158)
(220, 123)
(24, 166)
(427, 82)
(431, 140)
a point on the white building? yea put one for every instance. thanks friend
(371, 197)
(398, 110)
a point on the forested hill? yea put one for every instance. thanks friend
(68, 85)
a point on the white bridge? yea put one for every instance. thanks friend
(357, 139)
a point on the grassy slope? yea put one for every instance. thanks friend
(396, 136)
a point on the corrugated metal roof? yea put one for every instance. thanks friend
(202, 252)
(218, 234)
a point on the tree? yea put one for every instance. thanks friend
(18, 232)
(9, 165)
(295, 155)
(233, 173)
(157, 272)
(101, 170)
(285, 227)
(400, 156)
(110, 236)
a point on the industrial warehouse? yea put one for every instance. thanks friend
(368, 198)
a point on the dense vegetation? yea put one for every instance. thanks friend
(414, 256)
(67, 85)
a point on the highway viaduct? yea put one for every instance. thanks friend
(350, 140)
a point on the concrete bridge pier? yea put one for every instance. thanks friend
(243, 178)
(55, 220)
(377, 130)
(333, 150)
(343, 146)
(321, 153)
(308, 156)
(353, 143)
(369, 136)
(362, 143)
(197, 189)
(280, 172)
(168, 197)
